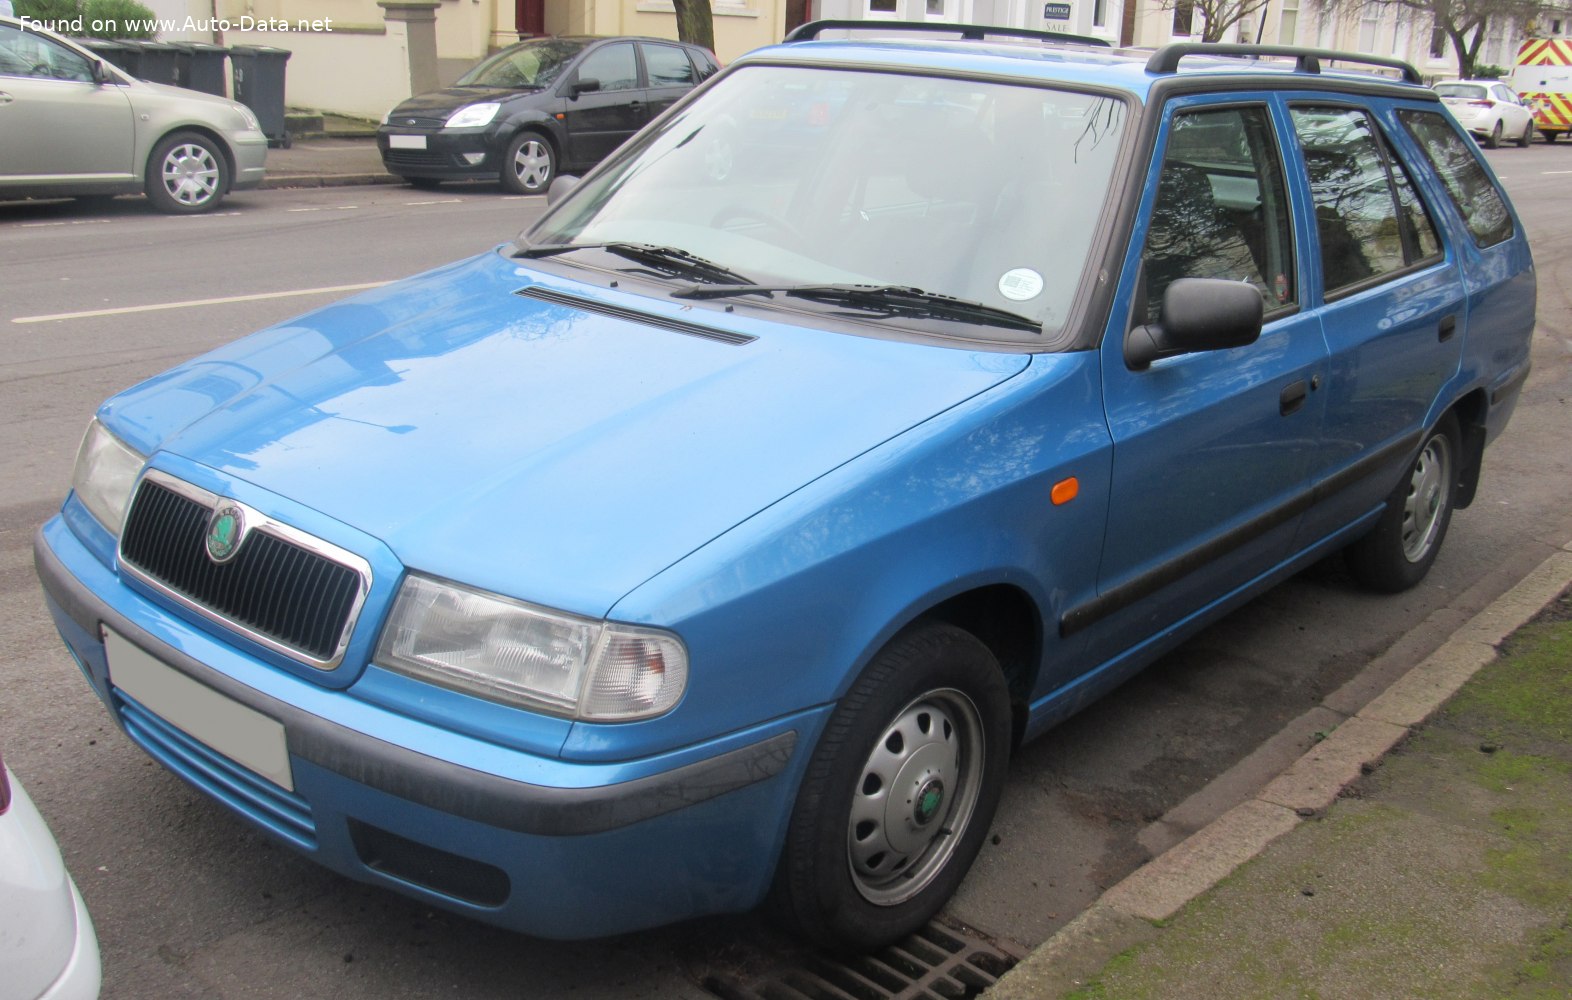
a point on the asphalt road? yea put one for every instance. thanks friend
(190, 903)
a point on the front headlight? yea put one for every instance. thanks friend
(509, 651)
(473, 115)
(106, 469)
(249, 116)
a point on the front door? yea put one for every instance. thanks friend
(1211, 449)
(56, 122)
(598, 121)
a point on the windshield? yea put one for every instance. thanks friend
(1468, 90)
(533, 64)
(983, 191)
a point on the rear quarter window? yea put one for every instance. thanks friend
(1456, 162)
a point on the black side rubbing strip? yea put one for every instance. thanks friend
(1117, 599)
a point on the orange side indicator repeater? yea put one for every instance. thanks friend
(1065, 490)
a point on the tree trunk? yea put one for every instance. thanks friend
(695, 22)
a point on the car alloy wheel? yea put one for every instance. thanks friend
(186, 173)
(529, 164)
(190, 174)
(1429, 497)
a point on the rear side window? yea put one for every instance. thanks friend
(1220, 210)
(668, 66)
(1467, 184)
(1370, 220)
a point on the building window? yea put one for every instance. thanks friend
(1368, 23)
(1437, 43)
(1288, 27)
(1184, 17)
(1100, 14)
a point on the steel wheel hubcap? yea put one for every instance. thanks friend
(1428, 495)
(916, 794)
(190, 174)
(532, 164)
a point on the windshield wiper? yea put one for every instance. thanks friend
(672, 259)
(894, 300)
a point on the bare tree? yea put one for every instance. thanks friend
(1465, 23)
(695, 22)
(1217, 16)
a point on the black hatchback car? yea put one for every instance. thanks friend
(537, 107)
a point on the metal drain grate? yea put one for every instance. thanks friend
(936, 963)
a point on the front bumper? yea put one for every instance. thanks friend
(458, 155)
(582, 850)
(250, 150)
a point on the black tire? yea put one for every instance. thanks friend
(1551, 136)
(899, 793)
(1398, 552)
(1494, 140)
(186, 173)
(424, 183)
(529, 164)
(1527, 136)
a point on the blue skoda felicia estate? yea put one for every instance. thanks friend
(872, 410)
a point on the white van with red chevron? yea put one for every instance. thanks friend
(1543, 78)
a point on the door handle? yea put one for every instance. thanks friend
(1293, 397)
(1447, 328)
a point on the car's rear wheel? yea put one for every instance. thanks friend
(899, 793)
(1551, 136)
(1527, 136)
(186, 173)
(1405, 541)
(529, 164)
(424, 183)
(1494, 140)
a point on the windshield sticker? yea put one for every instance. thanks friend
(1020, 284)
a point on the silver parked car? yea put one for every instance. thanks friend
(74, 125)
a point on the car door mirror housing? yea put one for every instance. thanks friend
(1198, 314)
(99, 73)
(584, 85)
(560, 186)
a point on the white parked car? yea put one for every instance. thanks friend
(1489, 109)
(48, 949)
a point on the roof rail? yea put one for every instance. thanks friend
(1166, 59)
(808, 31)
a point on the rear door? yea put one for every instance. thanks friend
(1392, 304)
(670, 73)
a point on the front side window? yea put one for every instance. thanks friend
(26, 53)
(1456, 161)
(613, 66)
(978, 190)
(1221, 210)
(1368, 217)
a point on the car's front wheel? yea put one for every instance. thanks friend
(899, 793)
(1527, 136)
(1494, 140)
(1398, 552)
(529, 164)
(186, 173)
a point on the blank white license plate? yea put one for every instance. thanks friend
(406, 142)
(244, 735)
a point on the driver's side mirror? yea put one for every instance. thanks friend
(99, 73)
(1198, 314)
(560, 186)
(584, 85)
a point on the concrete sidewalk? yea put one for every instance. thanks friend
(327, 162)
(1423, 849)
